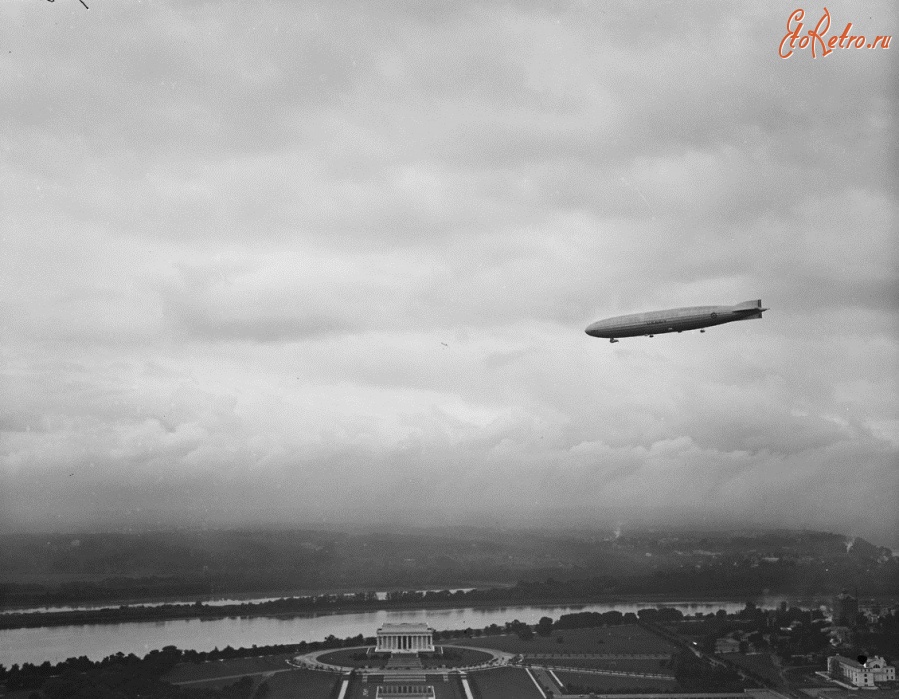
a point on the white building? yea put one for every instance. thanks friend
(405, 638)
(727, 645)
(405, 691)
(874, 671)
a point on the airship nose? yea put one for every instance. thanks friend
(592, 328)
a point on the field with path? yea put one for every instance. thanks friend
(655, 667)
(612, 684)
(192, 672)
(605, 640)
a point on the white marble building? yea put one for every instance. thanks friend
(405, 638)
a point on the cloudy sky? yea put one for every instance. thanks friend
(320, 262)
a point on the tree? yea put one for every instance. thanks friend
(544, 626)
(525, 632)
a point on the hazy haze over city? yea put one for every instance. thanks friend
(329, 262)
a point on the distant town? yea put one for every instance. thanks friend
(345, 567)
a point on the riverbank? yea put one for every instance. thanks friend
(284, 608)
(56, 603)
(56, 644)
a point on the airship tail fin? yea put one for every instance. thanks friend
(750, 309)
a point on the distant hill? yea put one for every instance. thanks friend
(85, 567)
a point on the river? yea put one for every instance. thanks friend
(96, 641)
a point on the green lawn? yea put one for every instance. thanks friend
(804, 676)
(289, 684)
(456, 657)
(186, 672)
(759, 663)
(452, 657)
(503, 683)
(612, 685)
(302, 684)
(605, 639)
(352, 657)
(657, 667)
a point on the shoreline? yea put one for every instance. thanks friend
(210, 598)
(276, 608)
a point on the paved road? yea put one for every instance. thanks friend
(311, 660)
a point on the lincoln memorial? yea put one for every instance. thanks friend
(405, 638)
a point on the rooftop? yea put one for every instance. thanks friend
(405, 628)
(874, 662)
(849, 661)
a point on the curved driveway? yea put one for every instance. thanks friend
(312, 662)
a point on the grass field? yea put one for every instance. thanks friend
(503, 683)
(457, 657)
(805, 677)
(302, 684)
(759, 663)
(187, 672)
(351, 657)
(605, 639)
(658, 667)
(610, 684)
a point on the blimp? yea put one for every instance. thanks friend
(674, 320)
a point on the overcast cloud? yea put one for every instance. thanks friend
(304, 262)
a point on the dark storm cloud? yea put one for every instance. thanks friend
(324, 256)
